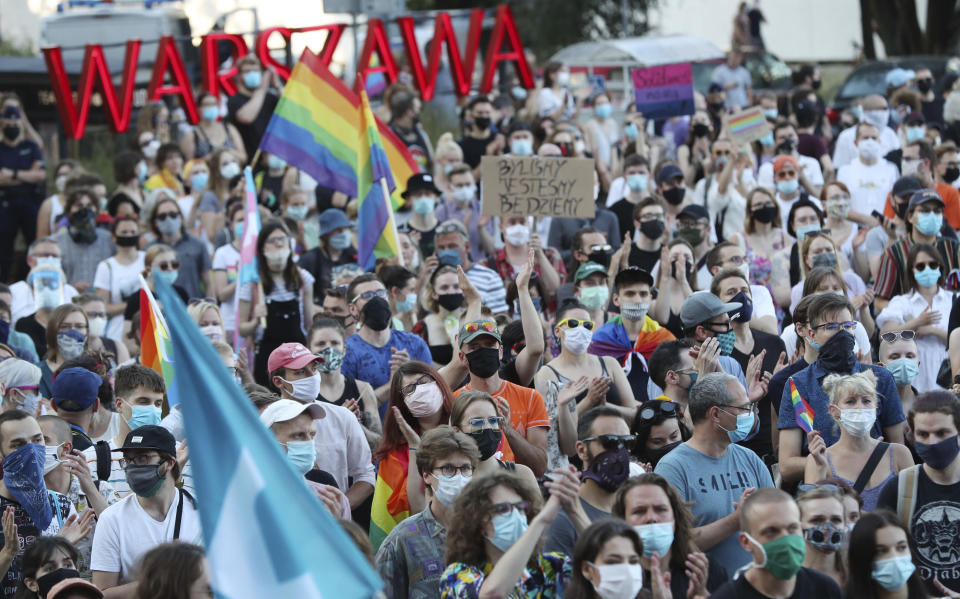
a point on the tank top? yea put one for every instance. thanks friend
(202, 144)
(350, 391)
(612, 396)
(872, 495)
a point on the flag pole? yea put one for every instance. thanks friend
(391, 220)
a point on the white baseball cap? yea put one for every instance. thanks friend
(288, 409)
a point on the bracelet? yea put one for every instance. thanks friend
(413, 448)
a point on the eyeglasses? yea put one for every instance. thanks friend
(572, 323)
(451, 470)
(922, 266)
(749, 408)
(614, 442)
(786, 174)
(600, 248)
(96, 314)
(202, 300)
(827, 486)
(66, 326)
(485, 325)
(490, 422)
(506, 507)
(172, 265)
(167, 215)
(650, 410)
(423, 380)
(849, 326)
(145, 459)
(906, 335)
(278, 241)
(645, 218)
(369, 295)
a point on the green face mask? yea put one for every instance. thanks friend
(782, 556)
(594, 298)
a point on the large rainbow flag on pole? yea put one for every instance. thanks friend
(377, 228)
(801, 409)
(390, 505)
(317, 127)
(156, 350)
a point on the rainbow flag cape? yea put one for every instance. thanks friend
(156, 349)
(390, 505)
(318, 128)
(801, 409)
(377, 229)
(612, 340)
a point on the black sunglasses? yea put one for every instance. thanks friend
(652, 409)
(614, 442)
(167, 215)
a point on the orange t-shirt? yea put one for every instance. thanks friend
(527, 410)
(951, 205)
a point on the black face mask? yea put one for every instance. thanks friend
(701, 130)
(901, 208)
(653, 456)
(450, 301)
(716, 106)
(950, 175)
(609, 469)
(601, 258)
(787, 146)
(836, 355)
(653, 229)
(765, 215)
(674, 196)
(482, 122)
(745, 312)
(487, 439)
(376, 314)
(484, 362)
(924, 85)
(48, 580)
(828, 260)
(815, 84)
(82, 226)
(11, 132)
(126, 241)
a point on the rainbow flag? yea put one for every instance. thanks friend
(747, 122)
(376, 227)
(401, 162)
(156, 350)
(389, 505)
(801, 409)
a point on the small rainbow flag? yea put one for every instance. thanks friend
(156, 350)
(801, 409)
(377, 230)
(390, 505)
(746, 122)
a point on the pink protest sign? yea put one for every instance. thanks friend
(663, 91)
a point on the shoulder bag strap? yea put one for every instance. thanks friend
(176, 525)
(870, 466)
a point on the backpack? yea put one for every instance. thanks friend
(103, 462)
(907, 493)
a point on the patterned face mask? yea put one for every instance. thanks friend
(332, 359)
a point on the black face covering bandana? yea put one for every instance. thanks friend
(653, 229)
(609, 469)
(951, 174)
(484, 362)
(602, 258)
(48, 580)
(675, 195)
(837, 355)
(487, 439)
(82, 226)
(376, 314)
(901, 209)
(450, 301)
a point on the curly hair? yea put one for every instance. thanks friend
(392, 437)
(683, 543)
(465, 535)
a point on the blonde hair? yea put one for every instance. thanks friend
(446, 143)
(196, 311)
(805, 251)
(839, 386)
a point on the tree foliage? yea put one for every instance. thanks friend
(549, 25)
(896, 23)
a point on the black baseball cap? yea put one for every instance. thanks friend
(904, 187)
(421, 182)
(150, 437)
(695, 211)
(925, 195)
(631, 275)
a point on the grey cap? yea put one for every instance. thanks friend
(332, 219)
(702, 306)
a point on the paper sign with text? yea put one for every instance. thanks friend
(663, 91)
(746, 126)
(533, 186)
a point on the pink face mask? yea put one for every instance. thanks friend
(425, 400)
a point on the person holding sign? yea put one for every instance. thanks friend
(517, 241)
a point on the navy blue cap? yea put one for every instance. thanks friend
(78, 385)
(904, 187)
(10, 112)
(695, 211)
(332, 219)
(925, 195)
(668, 172)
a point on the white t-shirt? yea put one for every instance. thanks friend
(846, 151)
(125, 532)
(549, 102)
(342, 448)
(23, 303)
(121, 280)
(868, 185)
(930, 349)
(227, 259)
(811, 170)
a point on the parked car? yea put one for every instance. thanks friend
(870, 77)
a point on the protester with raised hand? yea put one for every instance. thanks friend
(444, 300)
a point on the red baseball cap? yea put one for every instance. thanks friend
(291, 355)
(784, 160)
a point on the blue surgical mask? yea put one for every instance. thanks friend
(275, 162)
(238, 230)
(770, 113)
(630, 131)
(302, 455)
(166, 275)
(787, 187)
(912, 134)
(927, 277)
(423, 205)
(507, 528)
(341, 240)
(142, 171)
(451, 257)
(657, 537)
(521, 147)
(904, 370)
(199, 181)
(252, 79)
(144, 416)
(519, 92)
(297, 213)
(806, 229)
(603, 111)
(637, 182)
(744, 426)
(929, 223)
(893, 573)
(407, 303)
(767, 140)
(209, 113)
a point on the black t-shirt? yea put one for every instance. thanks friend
(133, 301)
(27, 533)
(474, 149)
(251, 133)
(810, 583)
(37, 332)
(643, 258)
(623, 209)
(761, 443)
(20, 157)
(679, 582)
(934, 526)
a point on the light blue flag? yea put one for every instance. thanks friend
(266, 533)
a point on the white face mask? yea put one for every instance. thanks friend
(425, 400)
(277, 257)
(516, 234)
(97, 326)
(577, 340)
(449, 487)
(464, 194)
(619, 581)
(213, 332)
(858, 422)
(305, 390)
(51, 460)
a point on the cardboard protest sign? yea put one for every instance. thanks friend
(533, 186)
(746, 126)
(663, 91)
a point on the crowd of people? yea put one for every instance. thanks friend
(737, 379)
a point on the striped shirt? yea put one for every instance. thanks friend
(490, 287)
(892, 276)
